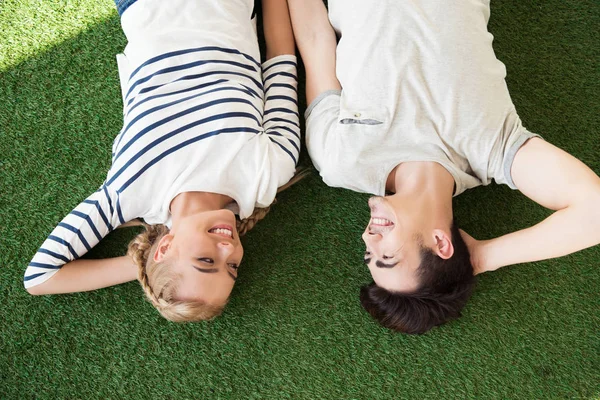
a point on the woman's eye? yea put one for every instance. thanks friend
(367, 253)
(386, 257)
(207, 260)
(234, 266)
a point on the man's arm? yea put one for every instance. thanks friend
(558, 181)
(317, 44)
(83, 275)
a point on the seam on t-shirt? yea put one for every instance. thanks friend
(320, 97)
(512, 152)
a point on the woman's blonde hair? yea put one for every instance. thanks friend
(160, 284)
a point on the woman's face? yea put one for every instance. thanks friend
(205, 252)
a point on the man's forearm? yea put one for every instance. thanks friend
(83, 275)
(566, 231)
(317, 43)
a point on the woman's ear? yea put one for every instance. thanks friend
(163, 247)
(443, 244)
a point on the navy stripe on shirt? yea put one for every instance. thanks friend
(179, 115)
(286, 62)
(186, 66)
(41, 265)
(101, 212)
(282, 85)
(76, 231)
(157, 96)
(288, 139)
(66, 244)
(195, 77)
(30, 277)
(53, 254)
(282, 120)
(89, 221)
(282, 110)
(285, 128)
(189, 51)
(288, 98)
(281, 74)
(181, 145)
(284, 149)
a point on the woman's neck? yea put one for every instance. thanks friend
(190, 203)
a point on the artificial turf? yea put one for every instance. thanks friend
(294, 327)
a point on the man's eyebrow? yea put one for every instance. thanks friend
(381, 264)
(206, 270)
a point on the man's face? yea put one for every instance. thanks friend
(392, 249)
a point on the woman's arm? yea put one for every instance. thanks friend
(317, 44)
(281, 119)
(83, 275)
(73, 237)
(277, 27)
(558, 181)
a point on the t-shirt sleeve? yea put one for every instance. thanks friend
(74, 236)
(281, 121)
(513, 137)
(322, 118)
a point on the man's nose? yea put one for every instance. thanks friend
(371, 237)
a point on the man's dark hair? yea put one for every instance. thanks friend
(445, 286)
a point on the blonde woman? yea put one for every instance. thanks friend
(209, 132)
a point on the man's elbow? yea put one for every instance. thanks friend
(594, 208)
(591, 209)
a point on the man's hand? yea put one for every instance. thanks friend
(477, 252)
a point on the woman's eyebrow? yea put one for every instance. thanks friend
(213, 271)
(206, 270)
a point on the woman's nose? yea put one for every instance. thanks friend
(226, 247)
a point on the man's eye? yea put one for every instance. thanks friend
(207, 260)
(234, 266)
(386, 257)
(367, 253)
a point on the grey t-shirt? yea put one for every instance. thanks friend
(420, 82)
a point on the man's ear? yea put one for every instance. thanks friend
(443, 244)
(163, 247)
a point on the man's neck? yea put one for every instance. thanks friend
(428, 183)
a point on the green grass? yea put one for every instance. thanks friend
(294, 327)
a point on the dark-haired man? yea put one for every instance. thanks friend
(425, 114)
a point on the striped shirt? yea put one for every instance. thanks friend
(200, 114)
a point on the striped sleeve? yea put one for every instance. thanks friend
(281, 121)
(74, 236)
